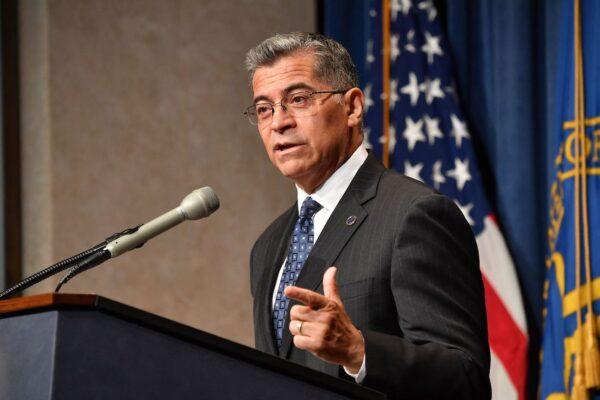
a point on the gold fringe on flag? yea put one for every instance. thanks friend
(579, 391)
(591, 356)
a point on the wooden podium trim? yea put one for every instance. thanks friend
(46, 300)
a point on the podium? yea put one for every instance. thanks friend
(67, 346)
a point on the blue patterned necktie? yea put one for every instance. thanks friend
(301, 243)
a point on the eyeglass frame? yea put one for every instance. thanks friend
(285, 107)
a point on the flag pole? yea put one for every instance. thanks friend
(385, 157)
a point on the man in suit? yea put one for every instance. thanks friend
(403, 309)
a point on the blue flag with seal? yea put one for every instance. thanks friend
(570, 367)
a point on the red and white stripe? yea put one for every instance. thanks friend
(507, 326)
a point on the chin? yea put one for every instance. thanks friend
(292, 170)
(293, 173)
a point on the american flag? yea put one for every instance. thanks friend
(413, 112)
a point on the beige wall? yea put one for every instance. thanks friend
(127, 107)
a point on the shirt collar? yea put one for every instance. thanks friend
(330, 193)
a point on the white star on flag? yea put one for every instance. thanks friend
(372, 13)
(406, 5)
(428, 6)
(413, 132)
(459, 130)
(410, 46)
(392, 142)
(394, 48)
(399, 5)
(414, 171)
(437, 177)
(368, 98)
(412, 89)
(393, 93)
(370, 56)
(366, 134)
(394, 8)
(431, 89)
(433, 129)
(466, 210)
(432, 47)
(460, 172)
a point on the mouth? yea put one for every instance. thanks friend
(285, 147)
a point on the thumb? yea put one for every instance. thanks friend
(330, 287)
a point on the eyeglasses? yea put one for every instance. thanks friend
(297, 104)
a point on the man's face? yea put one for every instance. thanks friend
(309, 148)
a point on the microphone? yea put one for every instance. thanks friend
(196, 205)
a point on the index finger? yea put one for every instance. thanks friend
(307, 297)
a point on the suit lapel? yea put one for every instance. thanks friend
(345, 220)
(276, 252)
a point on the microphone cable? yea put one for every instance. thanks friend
(62, 265)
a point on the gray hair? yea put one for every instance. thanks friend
(333, 65)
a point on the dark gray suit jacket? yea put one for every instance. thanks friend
(408, 274)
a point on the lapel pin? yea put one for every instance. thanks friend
(351, 220)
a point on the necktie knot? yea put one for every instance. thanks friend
(309, 208)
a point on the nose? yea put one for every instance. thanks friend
(281, 119)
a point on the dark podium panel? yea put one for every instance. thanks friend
(63, 346)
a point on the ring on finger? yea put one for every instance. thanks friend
(300, 328)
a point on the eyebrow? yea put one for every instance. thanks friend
(289, 89)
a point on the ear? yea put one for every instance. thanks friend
(354, 101)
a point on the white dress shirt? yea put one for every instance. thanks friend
(328, 195)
